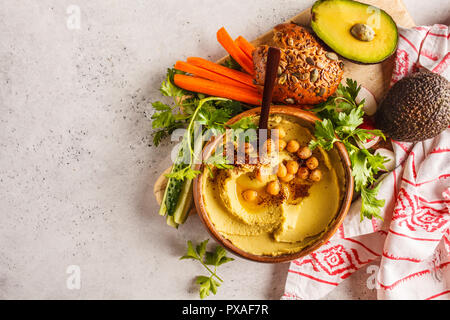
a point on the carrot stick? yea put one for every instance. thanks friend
(245, 46)
(227, 72)
(217, 89)
(204, 73)
(230, 46)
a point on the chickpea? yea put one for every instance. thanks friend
(293, 146)
(303, 173)
(261, 174)
(304, 153)
(312, 163)
(281, 132)
(281, 145)
(282, 170)
(287, 177)
(250, 195)
(273, 188)
(292, 167)
(315, 175)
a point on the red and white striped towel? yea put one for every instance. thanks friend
(413, 241)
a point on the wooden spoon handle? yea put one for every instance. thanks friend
(273, 60)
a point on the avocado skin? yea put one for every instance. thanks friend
(416, 108)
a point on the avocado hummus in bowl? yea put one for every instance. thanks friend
(279, 204)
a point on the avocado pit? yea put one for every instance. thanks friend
(362, 32)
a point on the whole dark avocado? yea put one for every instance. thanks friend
(416, 108)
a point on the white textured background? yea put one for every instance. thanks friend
(76, 162)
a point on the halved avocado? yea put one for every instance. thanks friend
(333, 20)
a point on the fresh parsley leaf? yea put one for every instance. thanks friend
(159, 106)
(244, 123)
(191, 252)
(231, 63)
(207, 258)
(201, 249)
(370, 205)
(352, 88)
(341, 116)
(325, 135)
(360, 169)
(185, 173)
(348, 122)
(219, 161)
(232, 107)
(375, 162)
(205, 285)
(168, 88)
(163, 119)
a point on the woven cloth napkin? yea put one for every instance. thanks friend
(412, 243)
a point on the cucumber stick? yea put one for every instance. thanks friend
(184, 202)
(171, 222)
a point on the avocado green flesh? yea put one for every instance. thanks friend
(332, 21)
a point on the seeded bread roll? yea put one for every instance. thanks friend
(307, 73)
(290, 35)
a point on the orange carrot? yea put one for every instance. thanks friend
(227, 72)
(230, 46)
(206, 74)
(217, 89)
(245, 46)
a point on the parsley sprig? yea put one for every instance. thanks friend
(341, 117)
(188, 110)
(214, 259)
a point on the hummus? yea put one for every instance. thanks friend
(275, 225)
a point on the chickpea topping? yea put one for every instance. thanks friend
(316, 175)
(287, 177)
(273, 188)
(293, 146)
(292, 167)
(303, 173)
(282, 170)
(281, 132)
(250, 195)
(304, 153)
(261, 174)
(281, 145)
(312, 163)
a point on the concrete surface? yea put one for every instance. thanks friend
(77, 164)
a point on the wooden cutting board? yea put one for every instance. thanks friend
(375, 77)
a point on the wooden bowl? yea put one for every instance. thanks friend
(345, 204)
